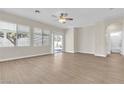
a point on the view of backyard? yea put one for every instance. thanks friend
(58, 43)
(10, 38)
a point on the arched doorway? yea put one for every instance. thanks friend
(114, 38)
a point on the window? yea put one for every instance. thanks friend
(7, 34)
(19, 35)
(37, 37)
(23, 35)
(46, 38)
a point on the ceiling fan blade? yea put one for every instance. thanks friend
(54, 16)
(69, 18)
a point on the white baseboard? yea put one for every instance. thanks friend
(87, 52)
(122, 54)
(69, 51)
(91, 52)
(100, 55)
(29, 56)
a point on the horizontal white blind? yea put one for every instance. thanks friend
(23, 37)
(46, 37)
(37, 37)
(7, 34)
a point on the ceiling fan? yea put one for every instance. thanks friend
(63, 18)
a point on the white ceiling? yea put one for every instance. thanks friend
(82, 16)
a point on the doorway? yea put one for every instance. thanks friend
(114, 38)
(58, 43)
(116, 41)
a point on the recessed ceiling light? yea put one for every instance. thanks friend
(37, 11)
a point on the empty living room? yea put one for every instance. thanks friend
(61, 45)
(67, 46)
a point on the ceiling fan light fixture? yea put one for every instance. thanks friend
(62, 20)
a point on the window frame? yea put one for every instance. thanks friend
(48, 43)
(41, 36)
(30, 36)
(10, 31)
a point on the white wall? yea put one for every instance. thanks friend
(92, 40)
(19, 52)
(22, 52)
(69, 41)
(86, 40)
(100, 40)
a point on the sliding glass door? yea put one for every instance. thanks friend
(58, 43)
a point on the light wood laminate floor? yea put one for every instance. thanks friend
(64, 69)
